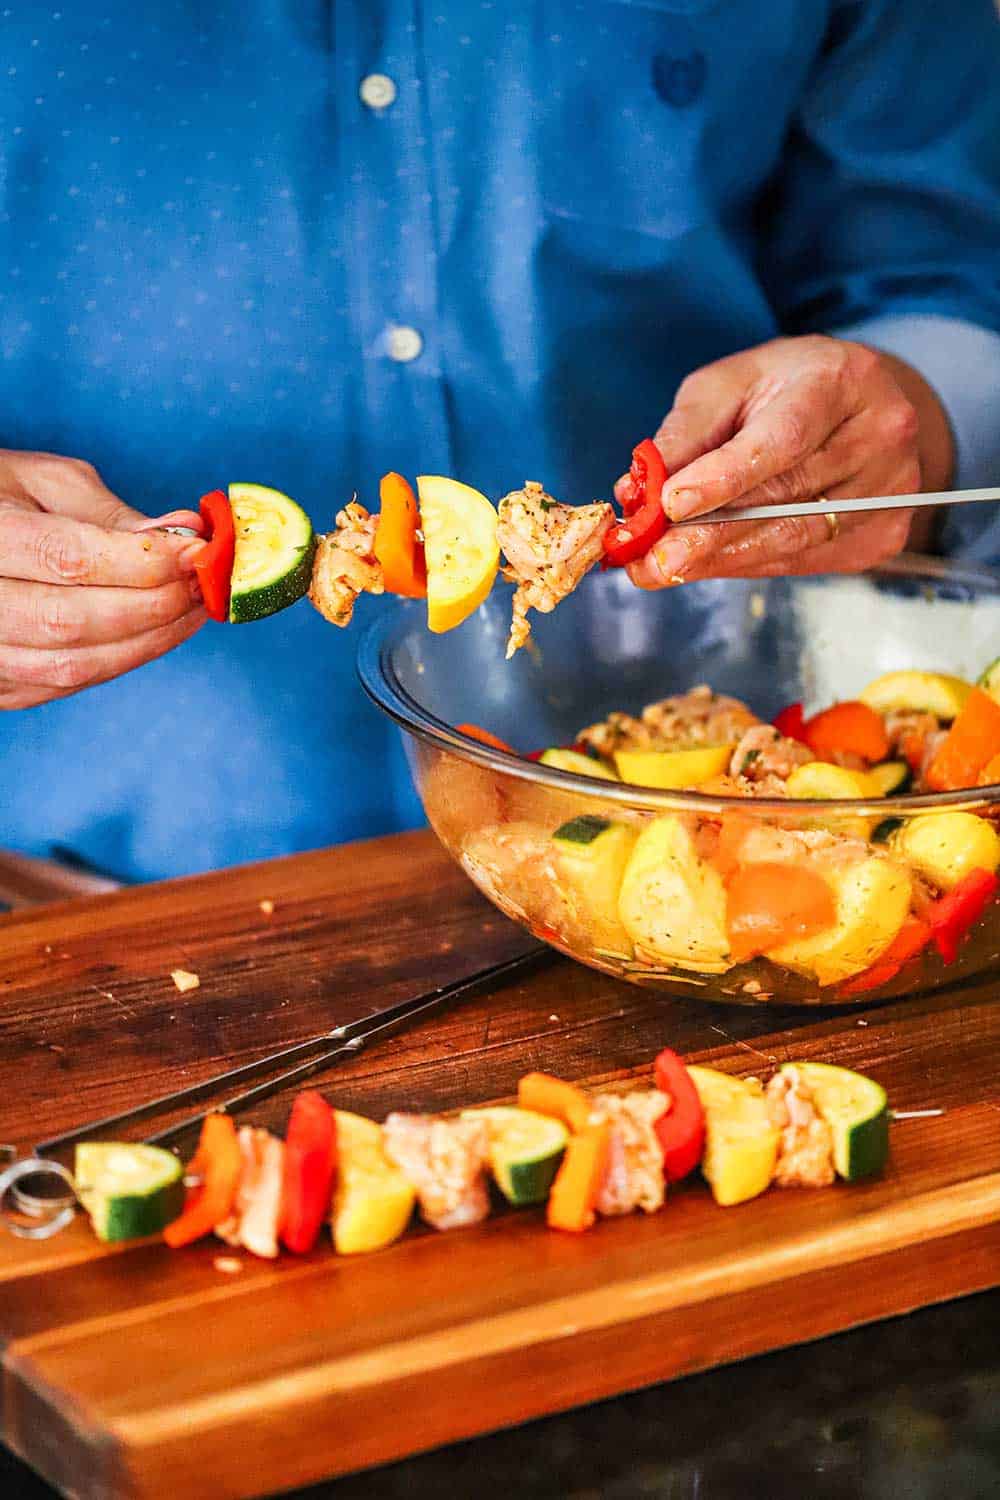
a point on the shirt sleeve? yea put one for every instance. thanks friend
(883, 223)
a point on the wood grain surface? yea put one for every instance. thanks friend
(137, 1372)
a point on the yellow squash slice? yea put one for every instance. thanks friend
(873, 900)
(672, 904)
(673, 770)
(741, 1144)
(372, 1200)
(460, 544)
(919, 692)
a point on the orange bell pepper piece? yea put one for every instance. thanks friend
(990, 774)
(970, 744)
(485, 738)
(851, 728)
(397, 546)
(218, 1161)
(546, 1095)
(775, 902)
(578, 1181)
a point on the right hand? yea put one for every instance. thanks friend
(88, 590)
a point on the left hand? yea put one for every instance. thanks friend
(793, 419)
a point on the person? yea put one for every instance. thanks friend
(303, 245)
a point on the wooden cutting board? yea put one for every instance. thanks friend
(139, 1372)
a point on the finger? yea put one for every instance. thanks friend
(72, 487)
(188, 518)
(787, 545)
(44, 548)
(43, 614)
(704, 415)
(846, 451)
(777, 437)
(725, 549)
(12, 696)
(70, 670)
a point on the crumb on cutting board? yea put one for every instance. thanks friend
(266, 906)
(229, 1265)
(185, 980)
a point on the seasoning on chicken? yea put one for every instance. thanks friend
(548, 547)
(698, 717)
(805, 1153)
(445, 1161)
(345, 565)
(765, 759)
(634, 1176)
(255, 1216)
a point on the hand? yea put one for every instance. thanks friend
(790, 420)
(87, 589)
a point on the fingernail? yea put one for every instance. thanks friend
(670, 558)
(681, 503)
(188, 519)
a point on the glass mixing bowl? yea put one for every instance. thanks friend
(609, 646)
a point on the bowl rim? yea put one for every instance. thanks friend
(383, 687)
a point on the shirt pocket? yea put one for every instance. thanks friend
(627, 91)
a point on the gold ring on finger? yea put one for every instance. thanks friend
(832, 524)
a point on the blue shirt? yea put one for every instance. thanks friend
(226, 251)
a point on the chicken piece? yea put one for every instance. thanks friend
(634, 1177)
(805, 1153)
(616, 732)
(764, 754)
(256, 1212)
(698, 717)
(548, 547)
(345, 565)
(444, 1160)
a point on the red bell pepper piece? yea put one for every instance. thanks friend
(955, 914)
(214, 568)
(911, 939)
(681, 1131)
(310, 1168)
(645, 521)
(791, 722)
(648, 475)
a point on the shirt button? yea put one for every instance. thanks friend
(404, 344)
(377, 91)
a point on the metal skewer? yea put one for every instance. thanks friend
(52, 1211)
(824, 507)
(339, 1041)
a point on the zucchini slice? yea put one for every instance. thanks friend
(525, 1151)
(275, 545)
(580, 765)
(890, 778)
(129, 1190)
(857, 1112)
